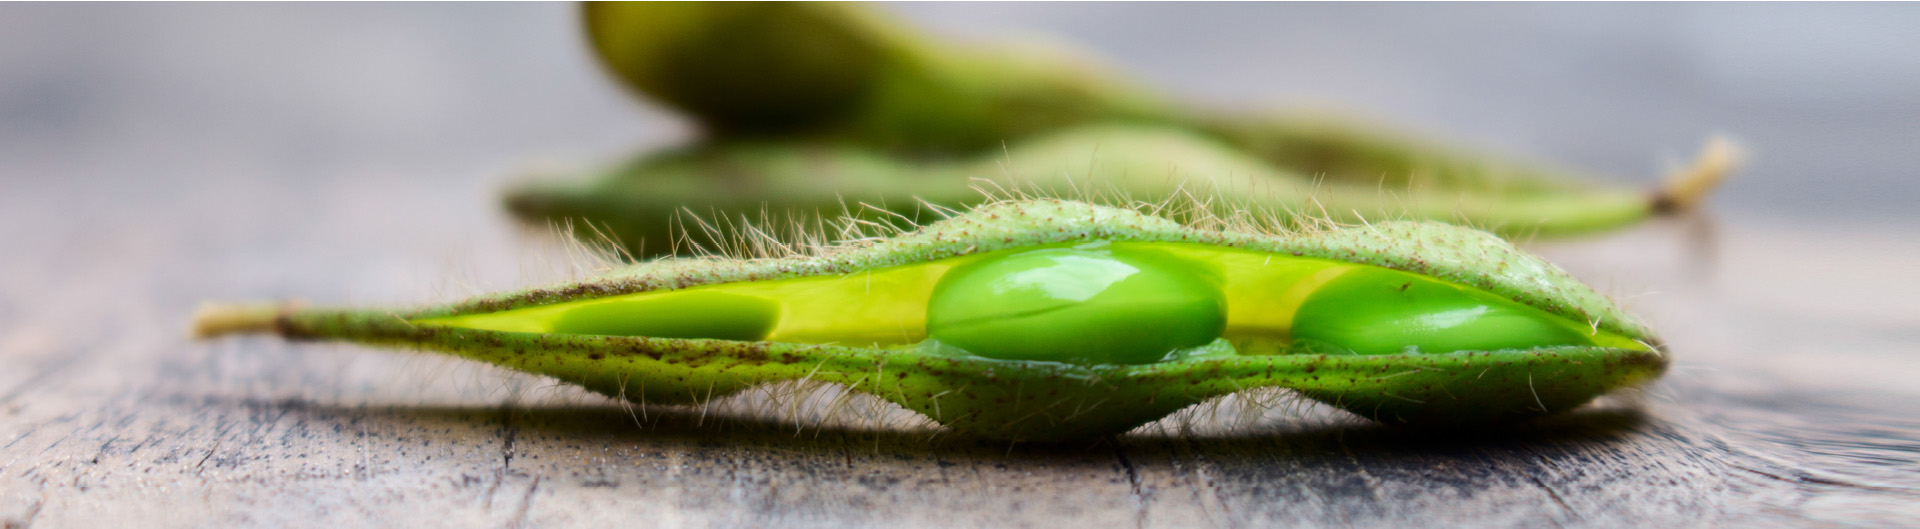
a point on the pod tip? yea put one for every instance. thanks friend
(1687, 187)
(216, 320)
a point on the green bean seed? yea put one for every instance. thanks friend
(1080, 305)
(1374, 311)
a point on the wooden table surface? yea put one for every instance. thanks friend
(1792, 401)
(1782, 409)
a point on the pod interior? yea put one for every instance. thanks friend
(1087, 302)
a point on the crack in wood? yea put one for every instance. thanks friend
(1805, 479)
(1557, 500)
(519, 519)
(509, 432)
(1133, 483)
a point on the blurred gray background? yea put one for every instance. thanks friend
(138, 99)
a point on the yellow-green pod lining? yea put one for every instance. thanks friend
(1153, 300)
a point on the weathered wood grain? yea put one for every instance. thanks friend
(108, 416)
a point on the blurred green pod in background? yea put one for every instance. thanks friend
(808, 108)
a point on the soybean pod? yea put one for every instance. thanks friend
(1048, 320)
(646, 205)
(811, 107)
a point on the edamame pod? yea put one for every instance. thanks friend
(810, 107)
(1049, 320)
(639, 203)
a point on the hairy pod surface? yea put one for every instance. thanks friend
(1052, 320)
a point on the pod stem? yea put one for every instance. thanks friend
(1686, 188)
(216, 320)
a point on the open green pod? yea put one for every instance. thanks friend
(1054, 320)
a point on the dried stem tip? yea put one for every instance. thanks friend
(213, 321)
(1686, 188)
